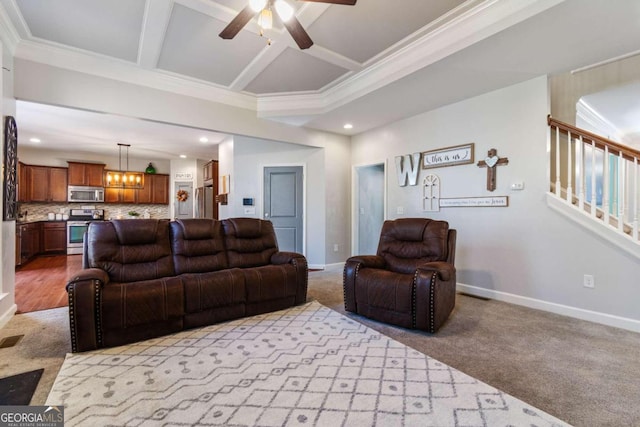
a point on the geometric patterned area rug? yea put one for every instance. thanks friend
(304, 366)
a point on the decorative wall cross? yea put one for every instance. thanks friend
(491, 162)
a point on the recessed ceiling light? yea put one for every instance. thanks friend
(183, 156)
(36, 140)
(348, 126)
(204, 139)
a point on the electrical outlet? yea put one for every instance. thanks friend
(589, 281)
(335, 248)
(517, 186)
(400, 210)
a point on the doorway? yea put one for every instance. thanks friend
(369, 207)
(284, 205)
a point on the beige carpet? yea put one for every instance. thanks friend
(307, 365)
(580, 372)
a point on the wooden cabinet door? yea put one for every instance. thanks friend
(58, 184)
(94, 174)
(128, 195)
(207, 171)
(111, 195)
(23, 182)
(119, 195)
(76, 173)
(47, 184)
(38, 183)
(160, 189)
(86, 174)
(54, 237)
(144, 195)
(155, 190)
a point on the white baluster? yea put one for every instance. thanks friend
(605, 186)
(558, 189)
(569, 169)
(621, 187)
(583, 176)
(636, 196)
(594, 194)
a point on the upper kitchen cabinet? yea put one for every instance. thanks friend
(120, 195)
(23, 183)
(86, 174)
(155, 190)
(210, 172)
(46, 184)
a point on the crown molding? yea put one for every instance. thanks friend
(469, 25)
(8, 32)
(598, 123)
(121, 70)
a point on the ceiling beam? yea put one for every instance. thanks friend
(154, 27)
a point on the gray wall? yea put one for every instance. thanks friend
(525, 253)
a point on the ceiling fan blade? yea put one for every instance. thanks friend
(298, 33)
(238, 23)
(344, 2)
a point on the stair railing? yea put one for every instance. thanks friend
(597, 176)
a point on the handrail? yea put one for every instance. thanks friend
(614, 147)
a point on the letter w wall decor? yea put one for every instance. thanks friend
(407, 169)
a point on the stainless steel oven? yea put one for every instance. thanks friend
(77, 226)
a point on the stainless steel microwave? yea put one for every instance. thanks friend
(85, 194)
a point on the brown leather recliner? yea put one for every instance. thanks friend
(411, 282)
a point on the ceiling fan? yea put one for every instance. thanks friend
(265, 20)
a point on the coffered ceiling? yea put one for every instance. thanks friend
(371, 64)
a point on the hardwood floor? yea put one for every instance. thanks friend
(40, 284)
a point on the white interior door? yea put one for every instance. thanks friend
(369, 207)
(283, 205)
(184, 209)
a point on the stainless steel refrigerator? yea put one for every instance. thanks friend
(205, 203)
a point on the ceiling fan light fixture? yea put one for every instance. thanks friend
(265, 20)
(284, 9)
(257, 5)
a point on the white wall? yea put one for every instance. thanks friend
(252, 155)
(525, 253)
(8, 229)
(47, 157)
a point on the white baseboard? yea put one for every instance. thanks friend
(565, 310)
(330, 267)
(6, 316)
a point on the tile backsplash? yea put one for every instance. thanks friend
(39, 211)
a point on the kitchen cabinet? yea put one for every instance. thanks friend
(155, 191)
(27, 241)
(23, 183)
(46, 184)
(54, 237)
(210, 172)
(120, 195)
(86, 174)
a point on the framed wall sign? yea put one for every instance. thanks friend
(475, 202)
(450, 156)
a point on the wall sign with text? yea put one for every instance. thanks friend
(450, 156)
(475, 202)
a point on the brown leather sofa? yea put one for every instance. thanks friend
(145, 278)
(411, 282)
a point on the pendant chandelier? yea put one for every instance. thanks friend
(124, 178)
